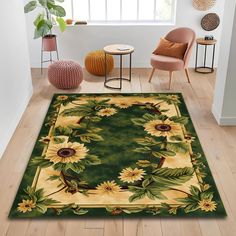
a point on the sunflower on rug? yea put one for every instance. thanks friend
(117, 155)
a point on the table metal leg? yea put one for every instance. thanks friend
(130, 66)
(120, 78)
(196, 57)
(213, 57)
(105, 68)
(205, 56)
(120, 71)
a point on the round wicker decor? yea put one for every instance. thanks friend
(210, 21)
(203, 5)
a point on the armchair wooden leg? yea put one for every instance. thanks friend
(170, 78)
(151, 75)
(187, 74)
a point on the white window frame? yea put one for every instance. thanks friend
(128, 22)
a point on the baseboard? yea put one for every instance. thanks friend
(137, 66)
(228, 121)
(223, 121)
(13, 123)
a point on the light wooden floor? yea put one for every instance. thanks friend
(218, 143)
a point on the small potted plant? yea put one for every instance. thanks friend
(50, 15)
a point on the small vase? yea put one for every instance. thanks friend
(49, 43)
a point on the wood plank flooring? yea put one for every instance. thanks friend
(219, 144)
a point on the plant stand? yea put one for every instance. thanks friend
(49, 45)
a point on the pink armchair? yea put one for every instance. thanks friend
(166, 63)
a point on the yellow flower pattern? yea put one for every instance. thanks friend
(207, 205)
(130, 175)
(66, 152)
(107, 112)
(108, 187)
(162, 128)
(26, 206)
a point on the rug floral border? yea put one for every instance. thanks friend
(204, 202)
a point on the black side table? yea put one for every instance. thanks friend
(119, 50)
(205, 69)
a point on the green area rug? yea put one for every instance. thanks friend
(117, 155)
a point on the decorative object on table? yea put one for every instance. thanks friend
(69, 21)
(172, 61)
(205, 69)
(118, 50)
(65, 74)
(209, 37)
(95, 61)
(51, 13)
(84, 164)
(210, 22)
(203, 5)
(81, 23)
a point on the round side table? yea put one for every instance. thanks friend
(205, 69)
(119, 50)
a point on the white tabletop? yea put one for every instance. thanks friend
(118, 49)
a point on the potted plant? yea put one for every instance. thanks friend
(50, 15)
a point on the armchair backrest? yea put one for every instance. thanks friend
(183, 35)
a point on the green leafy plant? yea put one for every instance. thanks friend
(51, 13)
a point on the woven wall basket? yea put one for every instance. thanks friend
(203, 5)
(210, 21)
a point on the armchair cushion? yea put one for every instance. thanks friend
(171, 49)
(166, 63)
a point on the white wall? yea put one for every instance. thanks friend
(15, 81)
(224, 108)
(77, 41)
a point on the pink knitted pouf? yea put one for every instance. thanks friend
(65, 74)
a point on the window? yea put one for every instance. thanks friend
(121, 11)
